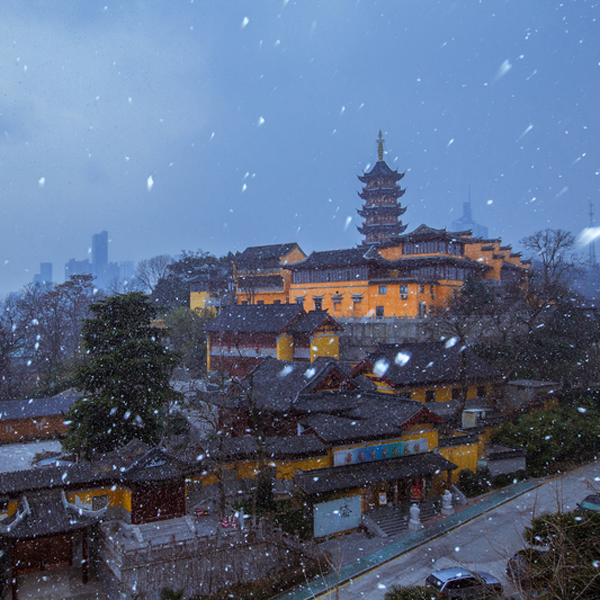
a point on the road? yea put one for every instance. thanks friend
(484, 544)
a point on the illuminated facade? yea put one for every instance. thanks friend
(391, 274)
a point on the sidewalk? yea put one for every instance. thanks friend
(358, 554)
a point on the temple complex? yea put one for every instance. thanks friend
(390, 274)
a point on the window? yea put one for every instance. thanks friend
(337, 301)
(356, 302)
(431, 291)
(260, 302)
(382, 290)
(481, 391)
(379, 311)
(404, 292)
(300, 300)
(318, 303)
(422, 289)
(276, 301)
(244, 302)
(422, 309)
(429, 395)
(457, 393)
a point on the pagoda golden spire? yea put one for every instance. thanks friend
(380, 146)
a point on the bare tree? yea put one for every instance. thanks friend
(149, 271)
(555, 263)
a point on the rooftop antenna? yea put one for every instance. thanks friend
(593, 262)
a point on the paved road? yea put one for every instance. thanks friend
(484, 544)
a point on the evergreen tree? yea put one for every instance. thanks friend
(124, 378)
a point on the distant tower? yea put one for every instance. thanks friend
(44, 277)
(381, 208)
(466, 223)
(593, 262)
(100, 256)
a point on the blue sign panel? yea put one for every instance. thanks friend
(353, 456)
(337, 516)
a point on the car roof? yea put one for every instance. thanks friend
(592, 498)
(451, 573)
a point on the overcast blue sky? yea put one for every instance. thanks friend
(253, 120)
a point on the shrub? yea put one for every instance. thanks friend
(504, 479)
(414, 592)
(475, 484)
(295, 520)
(562, 435)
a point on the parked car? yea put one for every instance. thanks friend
(525, 568)
(590, 503)
(456, 583)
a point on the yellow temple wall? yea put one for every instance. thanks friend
(325, 344)
(285, 347)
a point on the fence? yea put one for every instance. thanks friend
(130, 569)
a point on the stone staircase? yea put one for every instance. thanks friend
(393, 520)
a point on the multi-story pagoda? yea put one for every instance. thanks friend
(381, 208)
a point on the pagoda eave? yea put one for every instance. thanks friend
(394, 192)
(382, 228)
(388, 211)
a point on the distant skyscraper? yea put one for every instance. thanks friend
(100, 256)
(77, 267)
(45, 275)
(466, 222)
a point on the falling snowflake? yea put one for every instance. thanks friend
(402, 358)
(381, 366)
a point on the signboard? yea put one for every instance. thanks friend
(337, 516)
(353, 456)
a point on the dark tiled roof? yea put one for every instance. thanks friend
(422, 363)
(155, 465)
(312, 320)
(381, 169)
(512, 267)
(55, 477)
(266, 318)
(48, 516)
(424, 231)
(337, 429)
(335, 258)
(455, 261)
(264, 256)
(458, 440)
(136, 462)
(275, 447)
(356, 476)
(38, 407)
(277, 384)
(366, 416)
